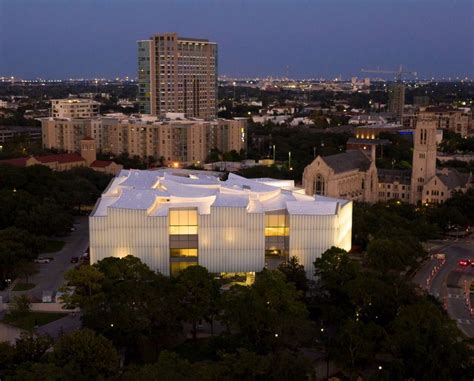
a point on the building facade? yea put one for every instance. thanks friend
(458, 120)
(354, 175)
(68, 161)
(177, 74)
(182, 141)
(172, 219)
(396, 99)
(74, 108)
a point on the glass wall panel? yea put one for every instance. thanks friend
(183, 221)
(184, 252)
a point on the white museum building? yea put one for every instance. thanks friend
(172, 219)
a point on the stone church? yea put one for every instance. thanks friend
(353, 174)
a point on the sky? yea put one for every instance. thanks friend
(315, 38)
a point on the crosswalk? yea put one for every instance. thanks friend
(466, 321)
(455, 296)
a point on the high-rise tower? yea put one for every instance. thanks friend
(178, 75)
(396, 100)
(424, 157)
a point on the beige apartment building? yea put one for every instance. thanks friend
(177, 74)
(178, 141)
(458, 120)
(74, 108)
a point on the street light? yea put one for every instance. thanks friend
(274, 148)
(289, 161)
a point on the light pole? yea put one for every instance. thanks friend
(274, 148)
(289, 161)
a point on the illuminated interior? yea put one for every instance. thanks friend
(183, 221)
(178, 253)
(276, 225)
(177, 267)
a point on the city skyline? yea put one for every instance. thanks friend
(89, 39)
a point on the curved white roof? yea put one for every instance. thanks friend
(156, 191)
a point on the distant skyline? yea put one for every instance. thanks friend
(318, 38)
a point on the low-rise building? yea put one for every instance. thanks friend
(74, 108)
(9, 132)
(67, 161)
(172, 219)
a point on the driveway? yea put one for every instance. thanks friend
(51, 275)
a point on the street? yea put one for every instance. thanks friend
(447, 285)
(51, 275)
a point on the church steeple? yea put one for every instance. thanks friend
(88, 151)
(424, 157)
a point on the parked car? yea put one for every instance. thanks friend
(48, 296)
(42, 260)
(74, 260)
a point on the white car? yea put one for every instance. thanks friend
(42, 260)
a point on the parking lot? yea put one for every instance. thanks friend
(51, 275)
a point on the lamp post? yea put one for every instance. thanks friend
(274, 148)
(289, 161)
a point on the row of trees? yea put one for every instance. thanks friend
(35, 203)
(370, 323)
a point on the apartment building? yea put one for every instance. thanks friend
(74, 108)
(177, 141)
(458, 120)
(177, 74)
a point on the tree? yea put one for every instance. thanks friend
(20, 307)
(269, 314)
(86, 355)
(393, 254)
(31, 348)
(429, 344)
(197, 293)
(86, 281)
(38, 372)
(295, 273)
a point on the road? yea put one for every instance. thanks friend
(447, 284)
(51, 275)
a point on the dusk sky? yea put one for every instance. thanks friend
(85, 38)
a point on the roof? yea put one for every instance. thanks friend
(368, 142)
(403, 176)
(454, 179)
(101, 163)
(155, 192)
(61, 158)
(19, 162)
(348, 161)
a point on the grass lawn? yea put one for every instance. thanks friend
(23, 286)
(33, 318)
(53, 245)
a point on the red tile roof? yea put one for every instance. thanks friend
(19, 162)
(101, 163)
(60, 158)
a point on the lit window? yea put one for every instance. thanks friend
(177, 267)
(276, 225)
(176, 253)
(183, 221)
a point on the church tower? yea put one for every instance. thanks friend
(88, 151)
(424, 157)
